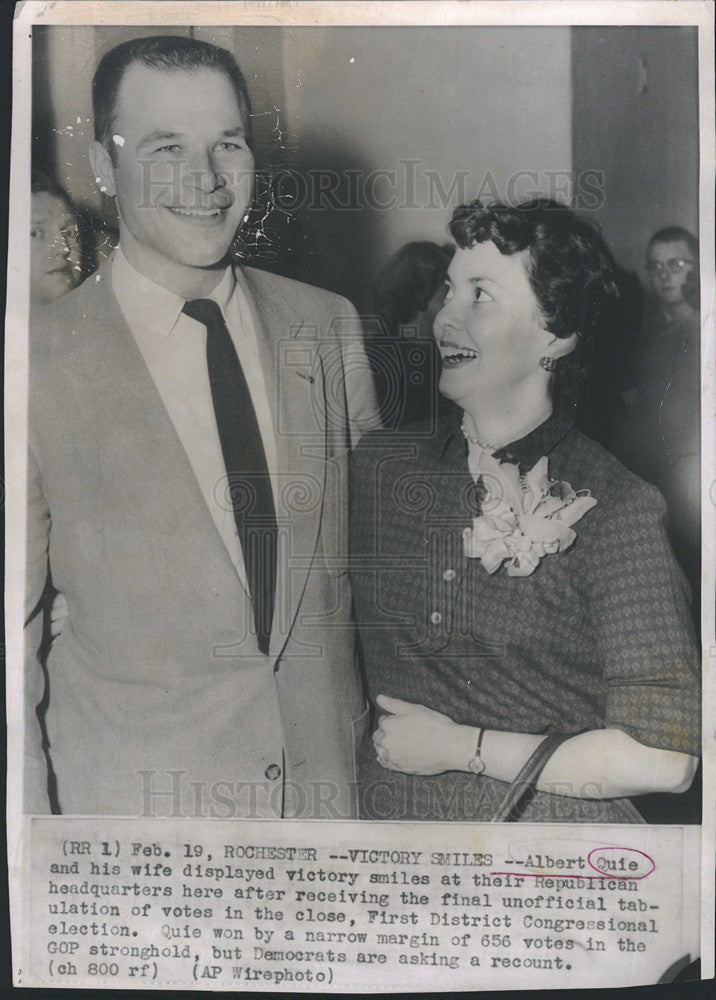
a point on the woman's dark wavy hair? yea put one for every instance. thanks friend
(168, 52)
(409, 280)
(570, 269)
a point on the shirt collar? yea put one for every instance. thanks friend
(525, 452)
(224, 290)
(151, 308)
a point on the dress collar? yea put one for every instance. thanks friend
(525, 452)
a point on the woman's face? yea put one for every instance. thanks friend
(489, 330)
(54, 249)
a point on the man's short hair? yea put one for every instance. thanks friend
(169, 52)
(676, 234)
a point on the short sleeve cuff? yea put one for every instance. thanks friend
(666, 716)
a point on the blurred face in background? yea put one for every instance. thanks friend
(669, 266)
(426, 318)
(54, 247)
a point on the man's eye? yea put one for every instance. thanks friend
(174, 148)
(35, 233)
(480, 294)
(230, 147)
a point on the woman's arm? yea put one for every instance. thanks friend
(600, 764)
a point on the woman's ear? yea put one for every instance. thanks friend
(103, 168)
(560, 347)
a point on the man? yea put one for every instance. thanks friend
(188, 429)
(669, 375)
(54, 245)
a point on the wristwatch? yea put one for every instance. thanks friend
(477, 764)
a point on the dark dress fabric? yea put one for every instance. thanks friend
(598, 636)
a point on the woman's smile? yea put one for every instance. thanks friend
(455, 355)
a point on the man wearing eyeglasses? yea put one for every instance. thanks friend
(664, 401)
(671, 260)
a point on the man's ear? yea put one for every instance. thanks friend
(103, 168)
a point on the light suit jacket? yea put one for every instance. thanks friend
(158, 701)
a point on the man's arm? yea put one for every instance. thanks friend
(361, 399)
(38, 533)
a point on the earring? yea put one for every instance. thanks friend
(549, 364)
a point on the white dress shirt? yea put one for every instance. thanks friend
(174, 349)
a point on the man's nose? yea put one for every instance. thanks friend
(202, 173)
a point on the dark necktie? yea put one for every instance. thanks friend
(245, 460)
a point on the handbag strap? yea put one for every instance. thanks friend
(506, 811)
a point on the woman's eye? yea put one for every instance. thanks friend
(35, 233)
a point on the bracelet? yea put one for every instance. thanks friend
(476, 764)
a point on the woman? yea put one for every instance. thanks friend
(510, 576)
(409, 294)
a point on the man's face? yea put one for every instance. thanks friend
(183, 172)
(668, 266)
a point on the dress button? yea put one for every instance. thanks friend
(449, 574)
(272, 772)
(436, 617)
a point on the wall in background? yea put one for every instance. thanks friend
(635, 117)
(474, 106)
(470, 107)
(446, 113)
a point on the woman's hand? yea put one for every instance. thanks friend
(418, 740)
(599, 764)
(58, 615)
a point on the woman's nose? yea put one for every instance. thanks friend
(446, 319)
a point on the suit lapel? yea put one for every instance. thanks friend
(128, 405)
(294, 380)
(129, 417)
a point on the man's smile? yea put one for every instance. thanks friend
(199, 216)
